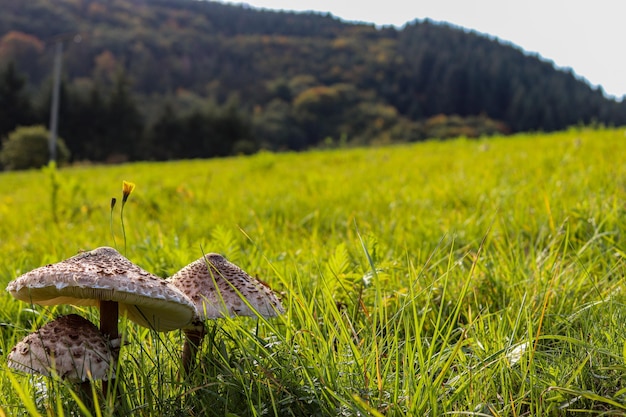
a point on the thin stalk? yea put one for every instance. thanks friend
(127, 189)
(123, 228)
(113, 201)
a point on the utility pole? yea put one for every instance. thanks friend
(54, 111)
(56, 87)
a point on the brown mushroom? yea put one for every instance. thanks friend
(219, 288)
(69, 346)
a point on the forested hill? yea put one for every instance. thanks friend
(269, 79)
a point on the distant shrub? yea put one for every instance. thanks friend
(445, 126)
(27, 147)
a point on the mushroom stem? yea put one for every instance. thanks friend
(109, 314)
(86, 394)
(193, 340)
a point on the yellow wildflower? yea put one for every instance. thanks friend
(127, 188)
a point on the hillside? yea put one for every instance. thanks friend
(238, 79)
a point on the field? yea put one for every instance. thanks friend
(462, 277)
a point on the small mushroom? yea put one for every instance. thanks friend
(220, 288)
(70, 347)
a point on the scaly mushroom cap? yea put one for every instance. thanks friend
(104, 274)
(70, 346)
(217, 286)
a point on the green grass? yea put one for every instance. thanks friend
(457, 278)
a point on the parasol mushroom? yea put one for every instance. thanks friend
(69, 346)
(103, 277)
(219, 288)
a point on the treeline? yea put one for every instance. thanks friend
(161, 79)
(106, 123)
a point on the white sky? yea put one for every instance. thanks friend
(588, 36)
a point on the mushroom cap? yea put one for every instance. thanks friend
(70, 346)
(103, 274)
(216, 287)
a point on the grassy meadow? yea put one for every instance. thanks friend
(467, 277)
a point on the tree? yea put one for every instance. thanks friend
(16, 107)
(25, 50)
(320, 110)
(275, 127)
(165, 139)
(231, 132)
(124, 121)
(85, 125)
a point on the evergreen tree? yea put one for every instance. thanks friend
(16, 108)
(166, 137)
(85, 124)
(124, 122)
